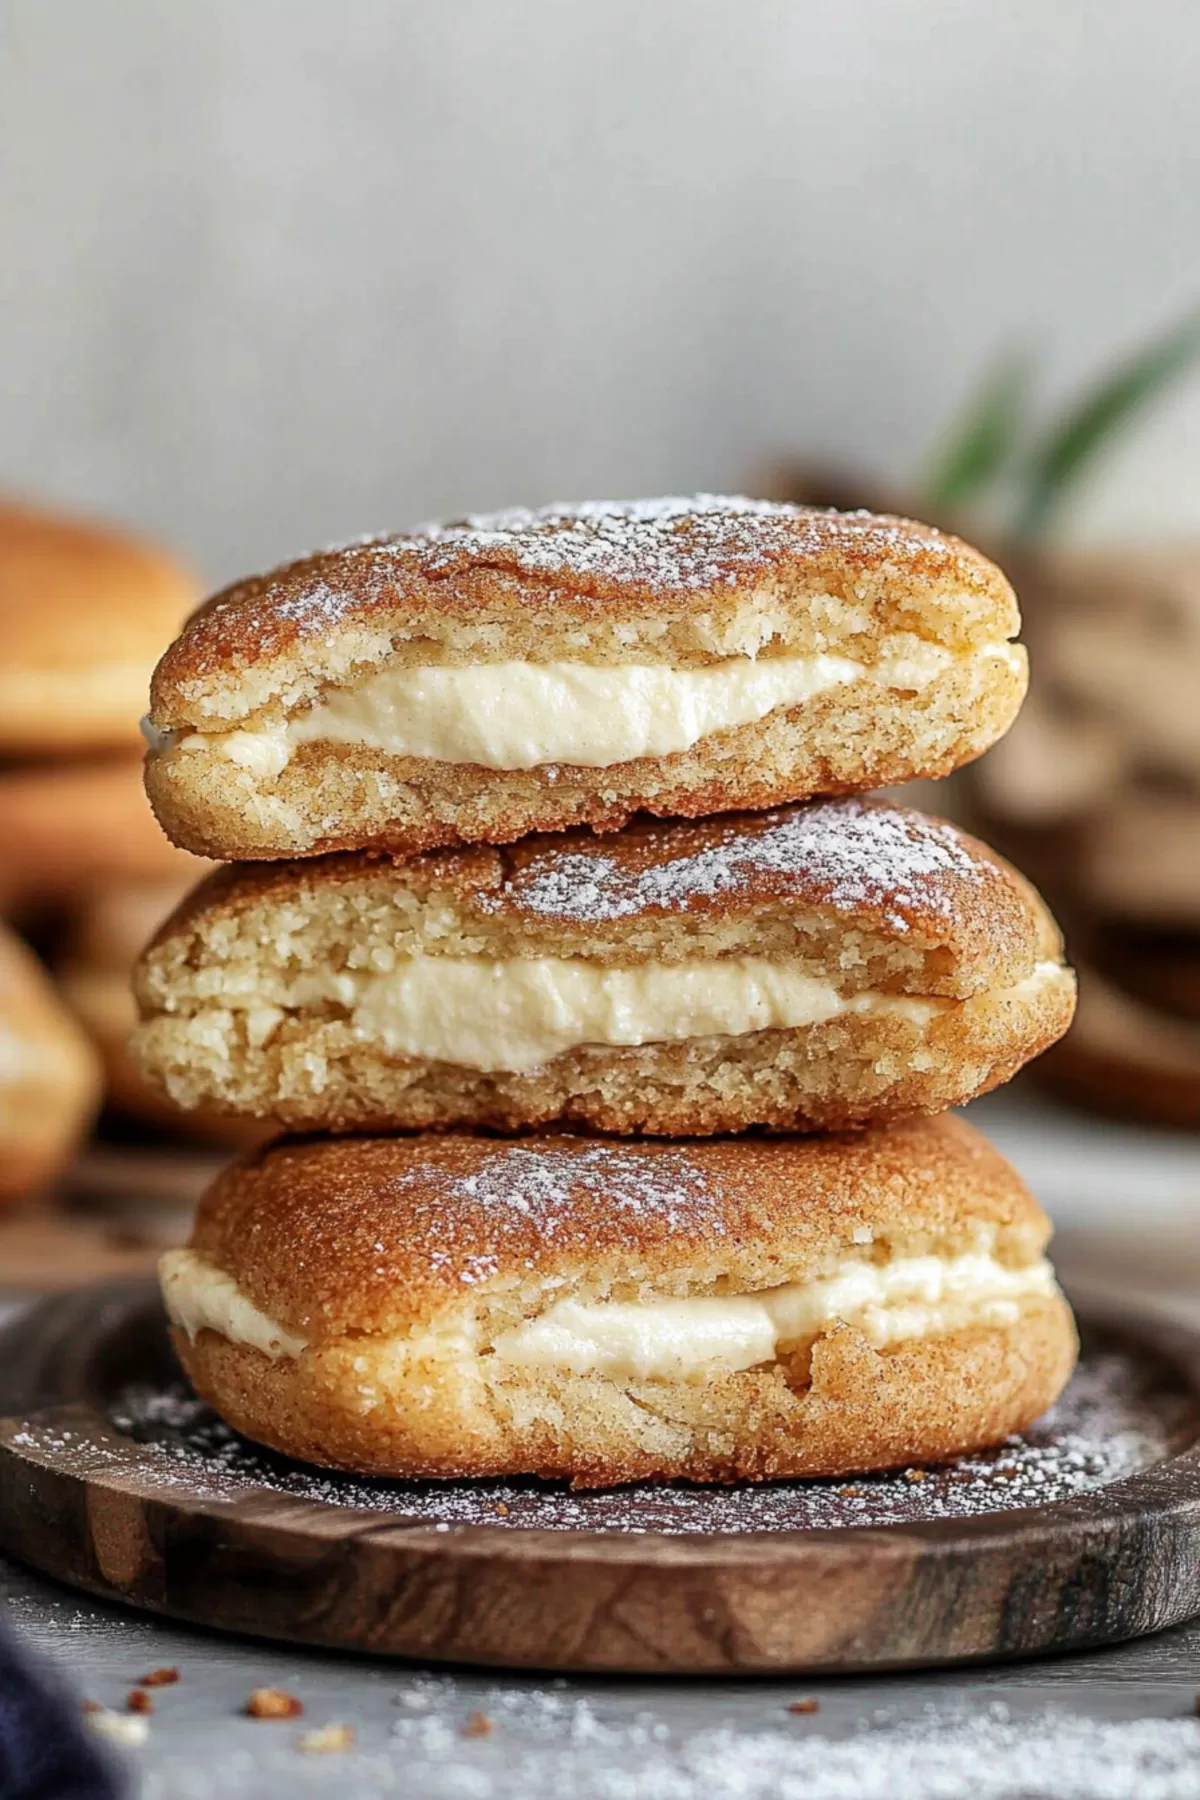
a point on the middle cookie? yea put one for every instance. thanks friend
(812, 967)
(815, 967)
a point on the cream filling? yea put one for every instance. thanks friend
(200, 1297)
(519, 1014)
(518, 715)
(670, 1340)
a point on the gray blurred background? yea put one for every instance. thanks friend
(278, 271)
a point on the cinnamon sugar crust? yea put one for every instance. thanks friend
(687, 584)
(433, 1233)
(682, 567)
(425, 1223)
(251, 994)
(855, 1409)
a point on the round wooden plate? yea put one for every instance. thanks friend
(112, 1479)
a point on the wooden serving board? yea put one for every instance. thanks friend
(1086, 1531)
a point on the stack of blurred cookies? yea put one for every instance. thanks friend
(84, 614)
(623, 1033)
(1097, 791)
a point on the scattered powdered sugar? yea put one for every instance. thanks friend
(1119, 1415)
(540, 1741)
(850, 854)
(949, 1753)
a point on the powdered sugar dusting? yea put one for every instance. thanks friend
(1120, 1414)
(674, 544)
(849, 854)
(701, 541)
(542, 1188)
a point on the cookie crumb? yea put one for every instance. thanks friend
(915, 1475)
(805, 1706)
(139, 1701)
(850, 1493)
(478, 1725)
(118, 1728)
(273, 1703)
(501, 1509)
(328, 1740)
(159, 1678)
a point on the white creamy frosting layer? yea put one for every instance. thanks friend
(518, 715)
(671, 1340)
(200, 1297)
(687, 1340)
(518, 1014)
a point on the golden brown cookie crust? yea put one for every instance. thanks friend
(428, 1229)
(864, 895)
(686, 565)
(859, 1409)
(688, 583)
(410, 1215)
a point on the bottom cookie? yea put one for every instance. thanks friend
(606, 1312)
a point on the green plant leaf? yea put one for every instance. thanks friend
(981, 441)
(1073, 444)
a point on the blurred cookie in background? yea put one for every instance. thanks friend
(112, 925)
(70, 825)
(1125, 1059)
(49, 1075)
(1097, 790)
(1113, 714)
(1160, 968)
(85, 613)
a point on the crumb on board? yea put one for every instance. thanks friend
(160, 1678)
(273, 1703)
(139, 1701)
(805, 1706)
(327, 1740)
(117, 1727)
(478, 1725)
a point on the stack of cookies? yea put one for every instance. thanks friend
(84, 613)
(621, 1033)
(1098, 789)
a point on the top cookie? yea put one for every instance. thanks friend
(528, 671)
(84, 613)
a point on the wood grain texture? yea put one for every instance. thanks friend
(89, 1505)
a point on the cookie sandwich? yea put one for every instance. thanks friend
(812, 967)
(524, 672)
(606, 1312)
